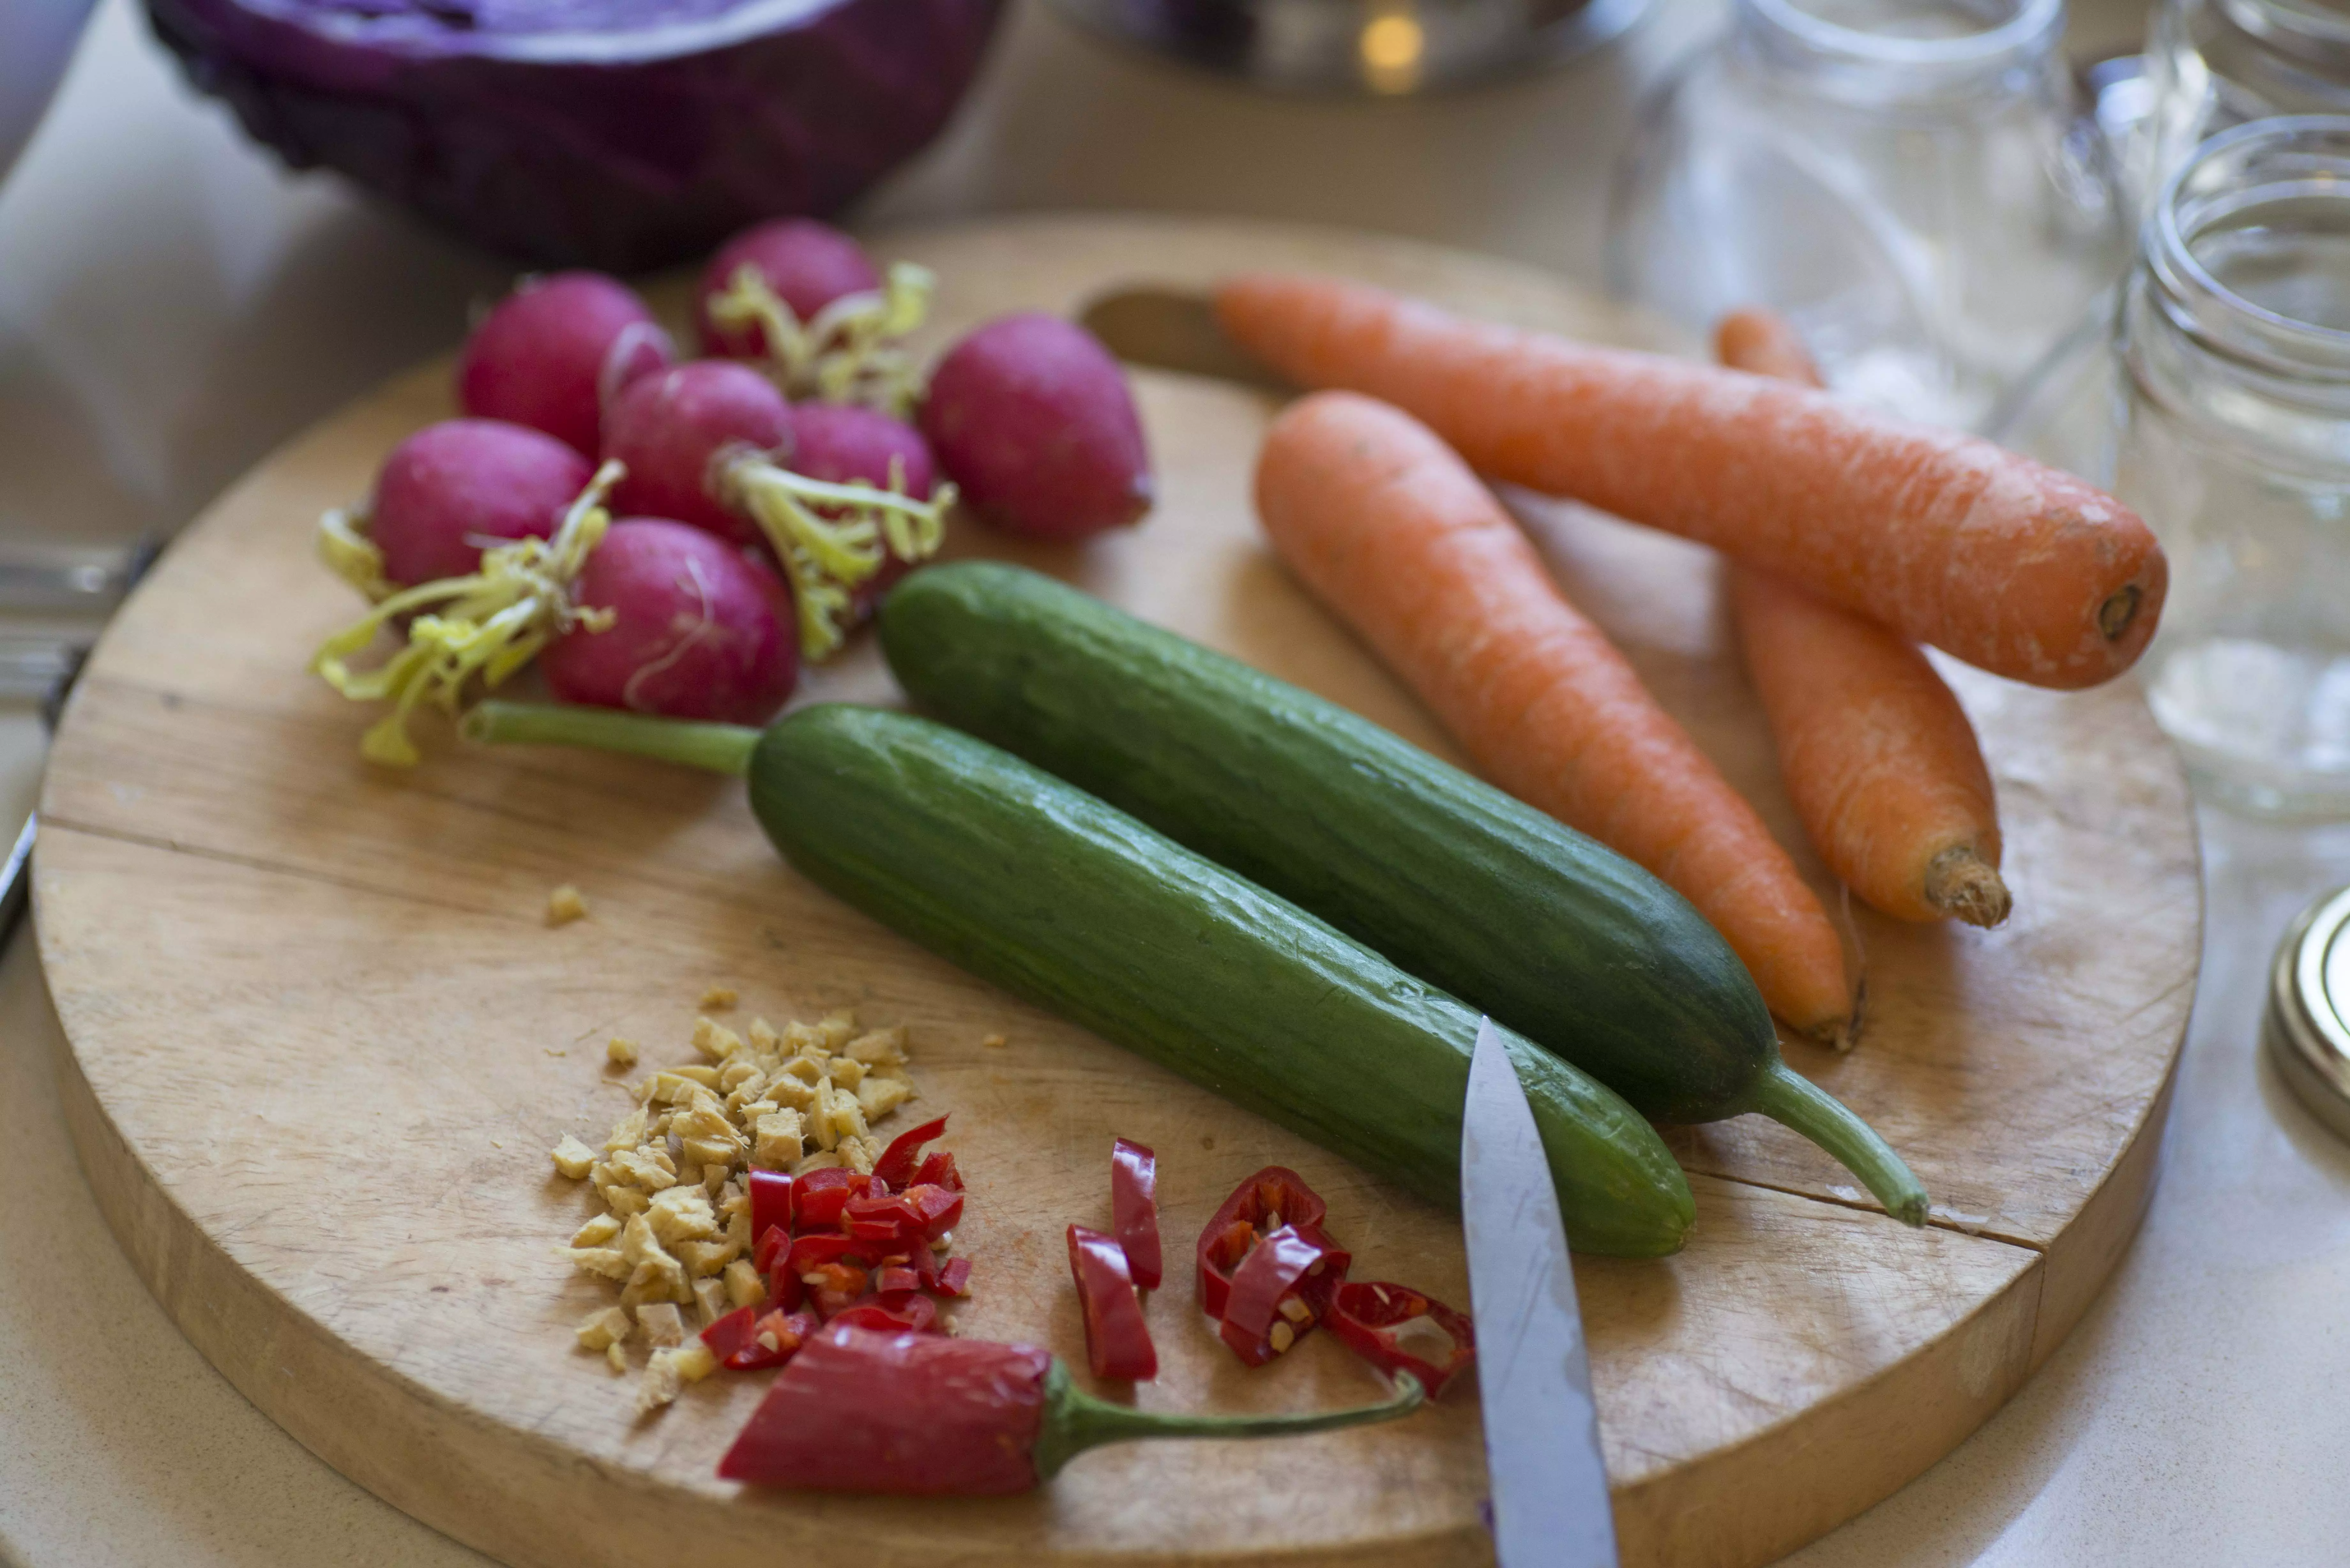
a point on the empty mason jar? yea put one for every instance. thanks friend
(2213, 64)
(1909, 182)
(2235, 444)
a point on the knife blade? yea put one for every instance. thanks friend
(1548, 1480)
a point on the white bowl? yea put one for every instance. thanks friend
(36, 39)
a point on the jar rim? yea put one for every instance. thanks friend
(2034, 22)
(2176, 263)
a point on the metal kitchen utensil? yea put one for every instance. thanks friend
(2307, 1029)
(1541, 1429)
(45, 666)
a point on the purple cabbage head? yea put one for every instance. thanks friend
(619, 134)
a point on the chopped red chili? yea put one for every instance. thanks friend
(894, 1278)
(774, 1242)
(1134, 1209)
(774, 1336)
(730, 1333)
(915, 1314)
(896, 1164)
(1273, 1196)
(1399, 1329)
(819, 1197)
(771, 1203)
(1281, 1290)
(1117, 1342)
(954, 1277)
(939, 1170)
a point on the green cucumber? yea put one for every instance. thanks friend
(1552, 933)
(1029, 882)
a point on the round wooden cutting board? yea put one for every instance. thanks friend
(322, 1040)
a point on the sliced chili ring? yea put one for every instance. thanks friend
(1117, 1342)
(1134, 1208)
(1273, 1196)
(1281, 1289)
(1379, 1322)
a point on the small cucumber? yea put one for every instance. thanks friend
(1455, 881)
(1029, 882)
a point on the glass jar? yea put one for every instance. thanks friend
(1909, 181)
(2213, 64)
(2234, 445)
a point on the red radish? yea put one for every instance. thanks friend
(806, 264)
(556, 351)
(707, 443)
(1032, 419)
(698, 630)
(844, 444)
(670, 428)
(452, 488)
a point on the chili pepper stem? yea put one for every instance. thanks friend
(719, 748)
(1789, 1099)
(1076, 1420)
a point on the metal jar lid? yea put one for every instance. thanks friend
(2308, 1024)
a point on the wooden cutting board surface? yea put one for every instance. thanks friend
(321, 1041)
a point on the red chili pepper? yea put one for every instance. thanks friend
(1134, 1208)
(1273, 1196)
(818, 1198)
(811, 1253)
(922, 1414)
(1379, 1322)
(896, 1278)
(784, 1290)
(910, 1219)
(916, 1315)
(939, 1170)
(954, 1277)
(771, 1203)
(774, 1336)
(730, 1333)
(835, 1286)
(774, 1242)
(1295, 1264)
(896, 1165)
(1117, 1342)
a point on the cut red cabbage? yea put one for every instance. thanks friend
(618, 134)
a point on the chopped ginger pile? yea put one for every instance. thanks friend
(676, 1232)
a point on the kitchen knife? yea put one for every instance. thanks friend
(1548, 1482)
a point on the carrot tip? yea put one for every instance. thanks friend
(1961, 883)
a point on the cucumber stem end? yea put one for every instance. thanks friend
(1793, 1100)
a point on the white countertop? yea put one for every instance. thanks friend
(172, 306)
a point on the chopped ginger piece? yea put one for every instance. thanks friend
(743, 1285)
(877, 1096)
(598, 1231)
(621, 1053)
(780, 1143)
(616, 1355)
(994, 1043)
(603, 1328)
(604, 1261)
(574, 1158)
(719, 998)
(879, 1048)
(662, 1324)
(564, 905)
(714, 1040)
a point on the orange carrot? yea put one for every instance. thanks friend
(1389, 529)
(2016, 567)
(1877, 753)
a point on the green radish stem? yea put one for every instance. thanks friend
(719, 748)
(1075, 1420)
(1792, 1100)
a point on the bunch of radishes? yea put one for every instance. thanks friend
(753, 532)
